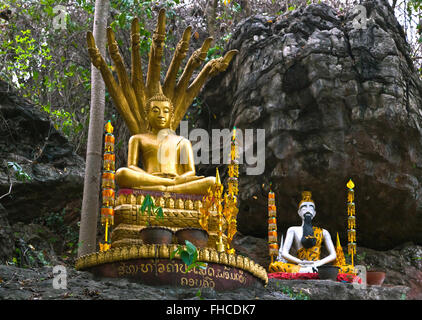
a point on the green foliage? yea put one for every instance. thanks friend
(199, 294)
(292, 7)
(152, 210)
(26, 256)
(414, 5)
(218, 49)
(45, 63)
(20, 175)
(189, 255)
(194, 113)
(292, 294)
(68, 234)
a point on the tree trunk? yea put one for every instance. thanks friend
(211, 15)
(90, 201)
(247, 10)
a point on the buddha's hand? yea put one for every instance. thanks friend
(184, 179)
(164, 175)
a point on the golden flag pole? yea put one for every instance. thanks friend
(108, 184)
(351, 221)
(272, 226)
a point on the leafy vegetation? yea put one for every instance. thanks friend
(292, 293)
(26, 256)
(189, 255)
(151, 209)
(67, 234)
(20, 175)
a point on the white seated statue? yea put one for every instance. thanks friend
(306, 241)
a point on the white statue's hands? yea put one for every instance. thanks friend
(308, 266)
(306, 270)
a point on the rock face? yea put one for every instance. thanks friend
(7, 244)
(402, 265)
(37, 284)
(28, 138)
(331, 290)
(337, 100)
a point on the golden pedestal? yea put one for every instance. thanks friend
(179, 210)
(151, 265)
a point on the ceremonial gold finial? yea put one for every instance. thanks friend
(108, 127)
(350, 184)
(340, 259)
(306, 197)
(217, 178)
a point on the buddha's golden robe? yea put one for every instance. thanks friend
(308, 254)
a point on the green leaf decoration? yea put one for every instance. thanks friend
(159, 213)
(190, 247)
(186, 258)
(147, 203)
(190, 267)
(202, 265)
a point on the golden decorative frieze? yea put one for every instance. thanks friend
(163, 252)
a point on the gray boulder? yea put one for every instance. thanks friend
(28, 138)
(7, 243)
(337, 100)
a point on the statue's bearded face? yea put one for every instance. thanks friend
(160, 114)
(307, 208)
(307, 213)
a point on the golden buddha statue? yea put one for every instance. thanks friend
(152, 111)
(168, 158)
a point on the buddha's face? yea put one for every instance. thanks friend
(160, 114)
(307, 208)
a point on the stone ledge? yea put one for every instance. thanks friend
(332, 290)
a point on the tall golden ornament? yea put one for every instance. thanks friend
(272, 226)
(224, 207)
(108, 185)
(351, 221)
(131, 94)
(340, 259)
(230, 197)
(208, 205)
(218, 193)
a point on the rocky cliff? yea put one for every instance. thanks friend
(29, 139)
(338, 98)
